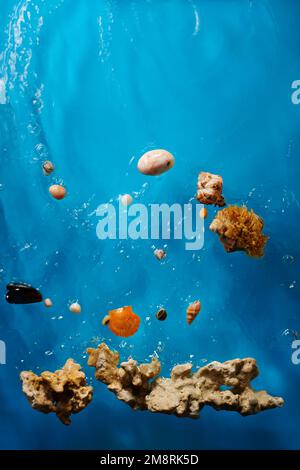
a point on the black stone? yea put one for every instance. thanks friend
(18, 293)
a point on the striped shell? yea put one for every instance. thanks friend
(161, 314)
(192, 311)
(123, 322)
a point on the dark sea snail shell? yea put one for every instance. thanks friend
(161, 314)
(19, 293)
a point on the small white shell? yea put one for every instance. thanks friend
(126, 200)
(48, 303)
(75, 307)
(155, 162)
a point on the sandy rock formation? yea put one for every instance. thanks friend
(63, 392)
(210, 189)
(184, 393)
(240, 230)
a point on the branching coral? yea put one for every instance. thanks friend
(184, 393)
(210, 189)
(63, 392)
(240, 230)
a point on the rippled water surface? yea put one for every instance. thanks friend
(91, 85)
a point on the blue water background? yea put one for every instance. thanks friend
(91, 85)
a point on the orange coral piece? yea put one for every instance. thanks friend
(240, 230)
(123, 322)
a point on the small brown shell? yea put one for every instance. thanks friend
(192, 311)
(48, 168)
(161, 314)
(105, 320)
(159, 254)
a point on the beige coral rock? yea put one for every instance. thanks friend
(184, 393)
(240, 229)
(129, 382)
(210, 189)
(63, 392)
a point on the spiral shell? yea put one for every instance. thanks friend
(192, 311)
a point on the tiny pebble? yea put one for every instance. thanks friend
(203, 213)
(126, 200)
(48, 303)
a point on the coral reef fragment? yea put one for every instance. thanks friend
(210, 189)
(63, 392)
(184, 394)
(240, 230)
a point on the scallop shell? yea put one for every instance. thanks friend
(192, 311)
(123, 322)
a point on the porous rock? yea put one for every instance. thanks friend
(63, 392)
(210, 189)
(185, 393)
(240, 229)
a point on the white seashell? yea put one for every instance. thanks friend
(126, 200)
(48, 303)
(155, 162)
(75, 307)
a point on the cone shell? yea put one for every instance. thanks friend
(192, 311)
(123, 322)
